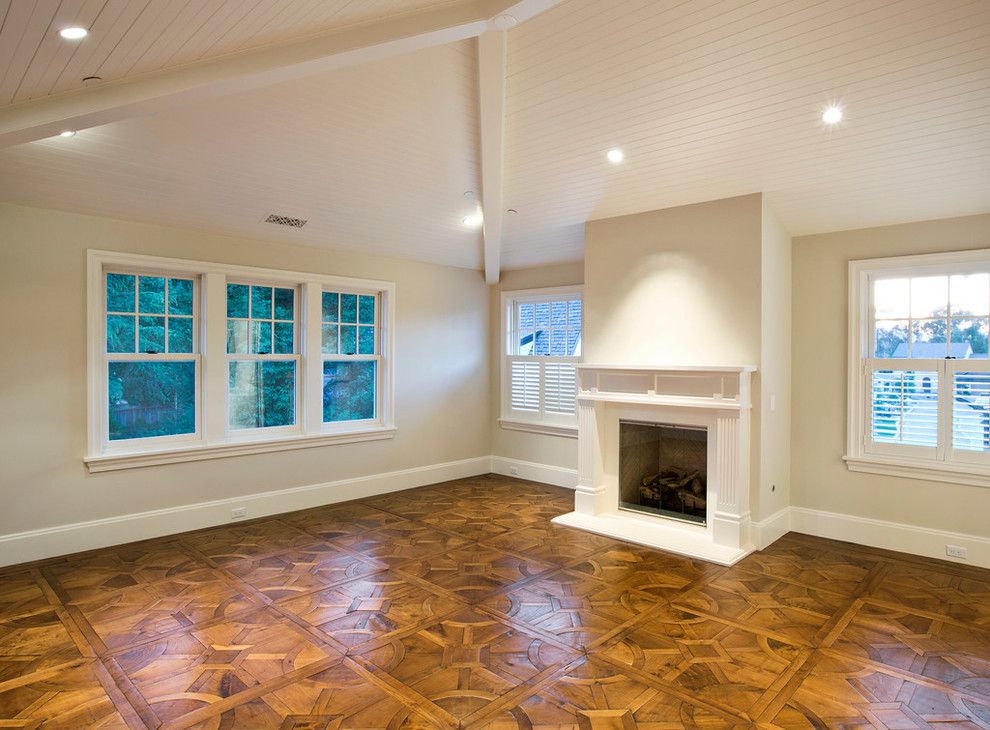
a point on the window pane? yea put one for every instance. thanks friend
(348, 390)
(262, 394)
(526, 343)
(120, 333)
(151, 399)
(348, 340)
(558, 342)
(284, 303)
(541, 343)
(969, 337)
(905, 407)
(330, 306)
(891, 298)
(542, 311)
(971, 411)
(366, 307)
(284, 338)
(151, 294)
(180, 296)
(261, 338)
(929, 296)
(573, 336)
(366, 341)
(558, 314)
(891, 338)
(120, 293)
(180, 334)
(237, 300)
(151, 334)
(261, 302)
(330, 339)
(237, 336)
(970, 294)
(574, 314)
(526, 319)
(928, 338)
(348, 308)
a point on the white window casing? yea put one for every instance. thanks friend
(213, 437)
(922, 410)
(539, 391)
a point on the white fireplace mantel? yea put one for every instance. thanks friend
(716, 398)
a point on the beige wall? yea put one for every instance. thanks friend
(442, 372)
(675, 286)
(682, 286)
(819, 477)
(538, 448)
(775, 370)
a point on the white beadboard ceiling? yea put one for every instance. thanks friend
(707, 98)
(131, 37)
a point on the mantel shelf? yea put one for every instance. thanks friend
(722, 404)
(672, 368)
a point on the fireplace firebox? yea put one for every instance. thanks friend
(663, 470)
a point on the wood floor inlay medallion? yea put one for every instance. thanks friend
(462, 605)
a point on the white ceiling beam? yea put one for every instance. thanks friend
(491, 92)
(149, 93)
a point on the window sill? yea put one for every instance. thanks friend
(138, 459)
(535, 427)
(967, 474)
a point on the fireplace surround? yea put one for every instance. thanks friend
(708, 410)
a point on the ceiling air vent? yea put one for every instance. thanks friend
(284, 220)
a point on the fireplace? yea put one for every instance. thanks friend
(663, 470)
(684, 431)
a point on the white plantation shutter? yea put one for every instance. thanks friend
(560, 388)
(524, 385)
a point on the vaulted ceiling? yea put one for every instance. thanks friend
(373, 119)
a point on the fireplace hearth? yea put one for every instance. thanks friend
(663, 470)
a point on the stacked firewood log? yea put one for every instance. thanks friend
(674, 486)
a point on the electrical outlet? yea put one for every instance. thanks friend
(514, 471)
(238, 513)
(956, 551)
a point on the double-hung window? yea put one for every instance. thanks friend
(192, 360)
(919, 379)
(542, 346)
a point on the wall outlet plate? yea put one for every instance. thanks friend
(956, 551)
(514, 470)
(238, 513)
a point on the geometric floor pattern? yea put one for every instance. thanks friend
(461, 605)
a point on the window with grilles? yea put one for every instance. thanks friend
(922, 376)
(542, 347)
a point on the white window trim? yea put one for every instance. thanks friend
(858, 457)
(556, 426)
(214, 439)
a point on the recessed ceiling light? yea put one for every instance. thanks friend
(474, 220)
(615, 155)
(74, 33)
(832, 115)
(67, 133)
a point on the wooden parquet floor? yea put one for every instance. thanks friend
(460, 604)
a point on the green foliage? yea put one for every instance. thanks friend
(262, 393)
(151, 399)
(348, 390)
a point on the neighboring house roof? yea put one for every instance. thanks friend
(959, 350)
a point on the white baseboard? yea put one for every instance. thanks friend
(766, 532)
(49, 542)
(557, 475)
(924, 541)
